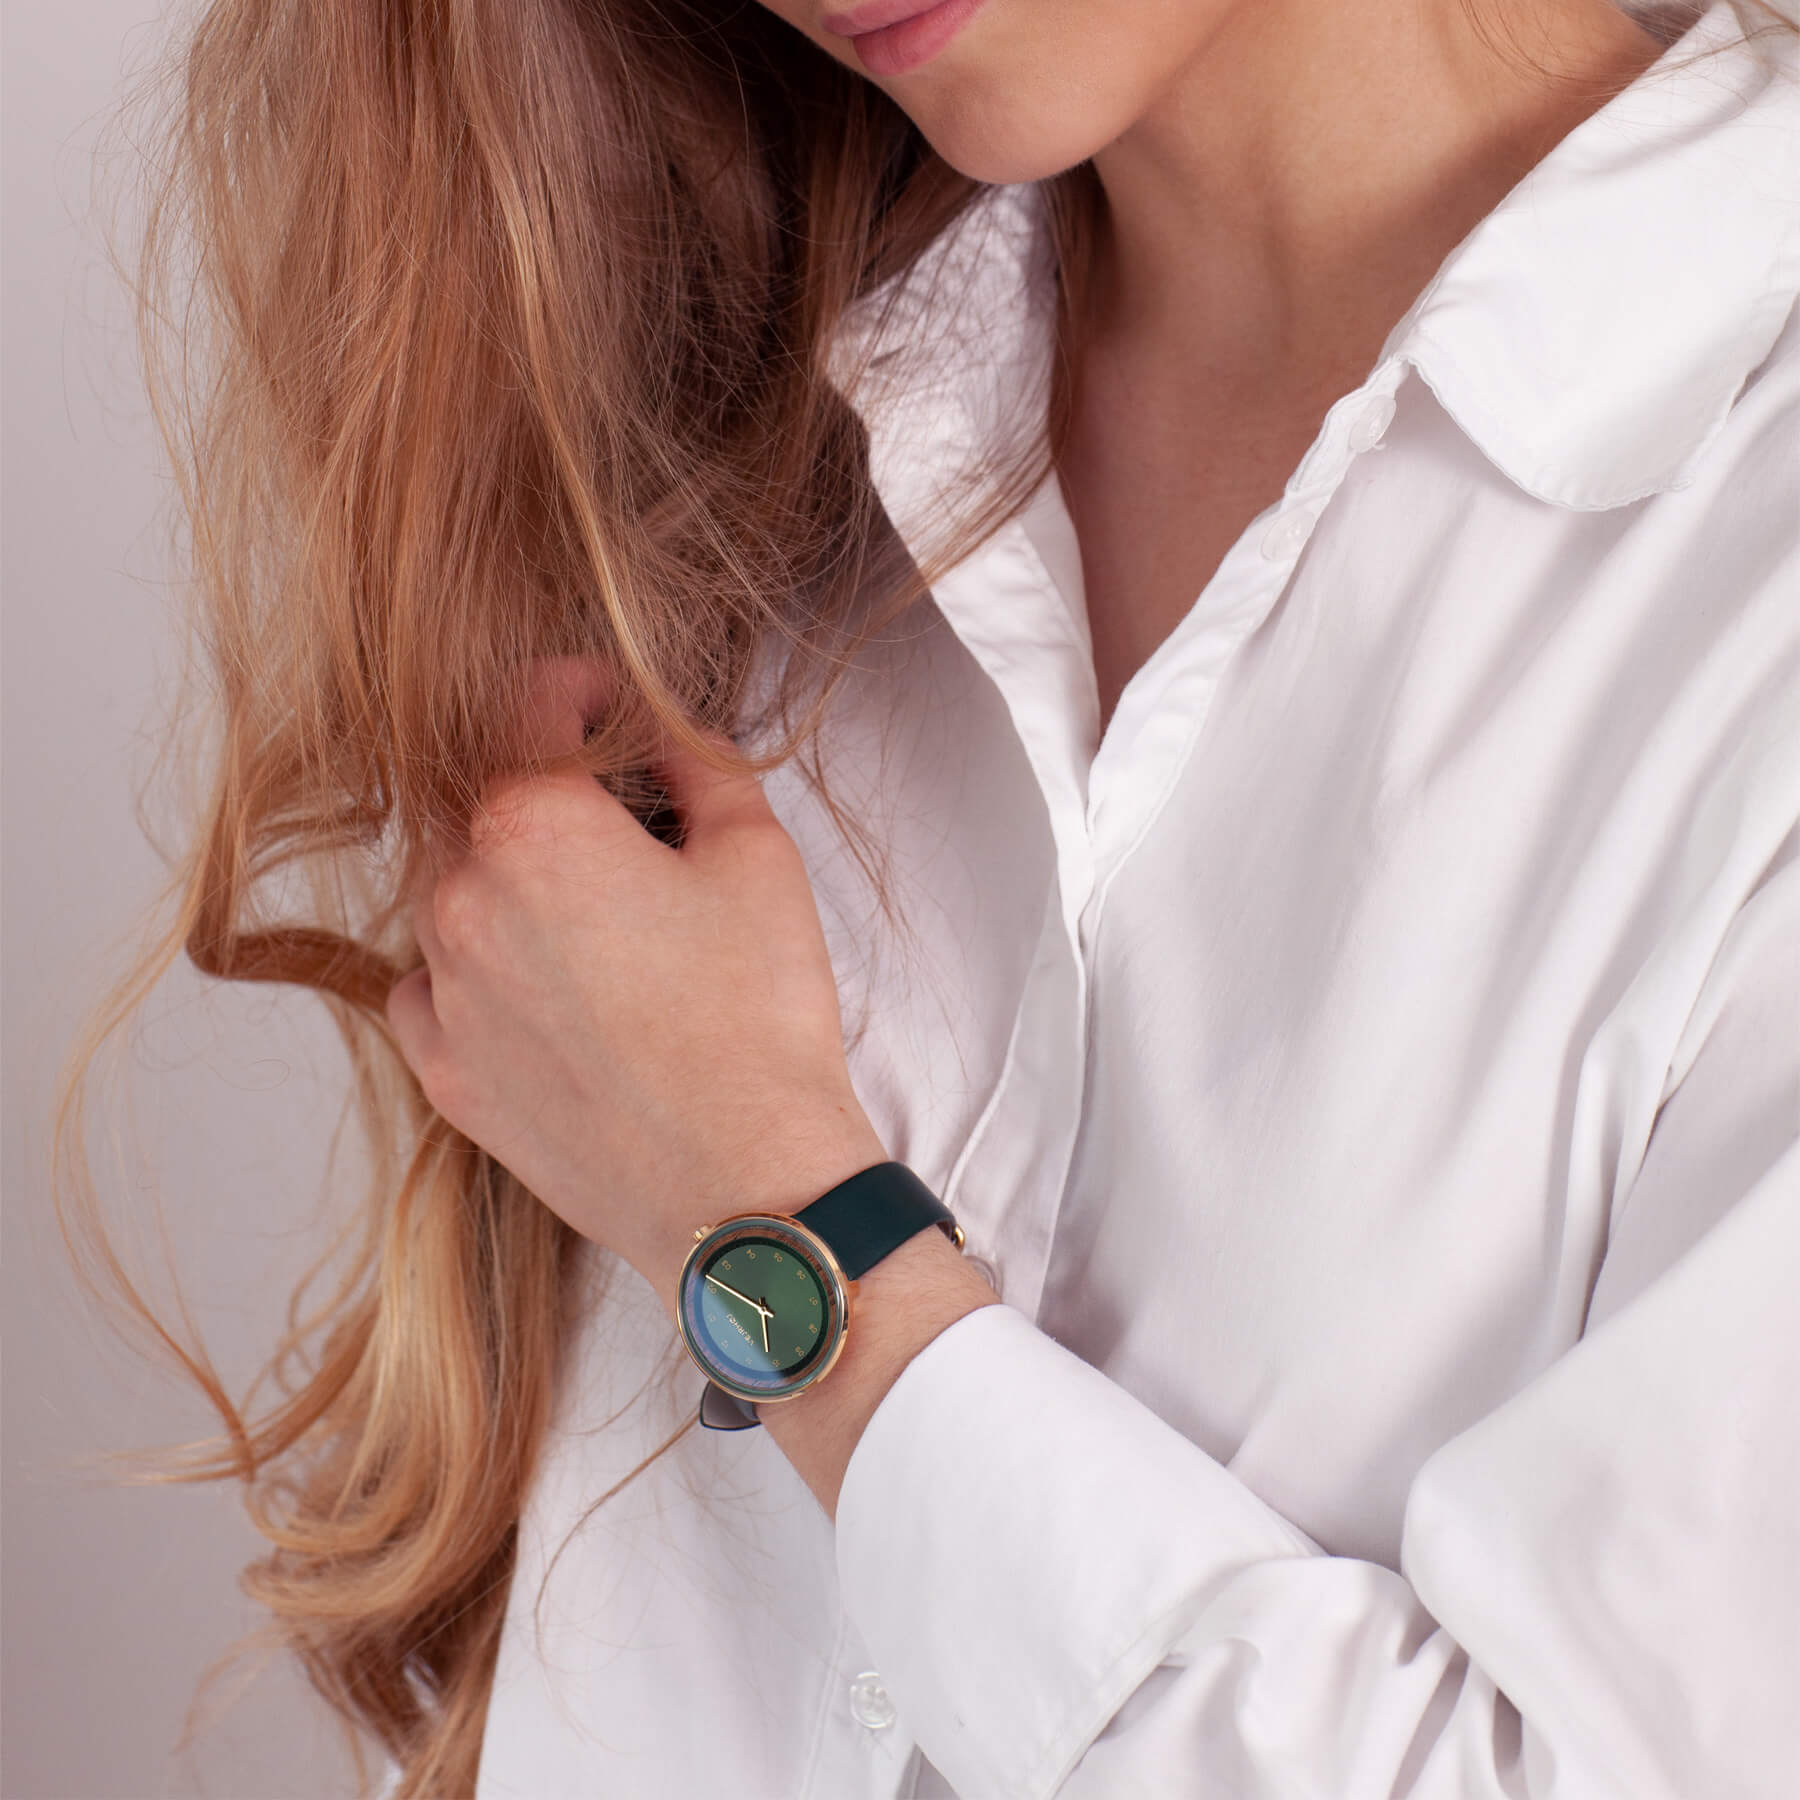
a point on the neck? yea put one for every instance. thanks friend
(1294, 188)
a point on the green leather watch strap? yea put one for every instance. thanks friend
(861, 1220)
(873, 1213)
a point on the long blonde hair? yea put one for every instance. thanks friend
(477, 331)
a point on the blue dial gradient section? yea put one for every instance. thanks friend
(761, 1310)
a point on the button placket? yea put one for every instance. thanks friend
(1356, 424)
(1370, 426)
(864, 1751)
(1287, 534)
(1004, 605)
(1016, 1161)
(871, 1706)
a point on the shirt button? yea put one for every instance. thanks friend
(1286, 536)
(869, 1702)
(1371, 427)
(984, 1269)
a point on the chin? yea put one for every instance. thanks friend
(1003, 158)
(1032, 87)
(1013, 137)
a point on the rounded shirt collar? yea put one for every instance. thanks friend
(1589, 335)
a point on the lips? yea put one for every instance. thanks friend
(878, 15)
(891, 37)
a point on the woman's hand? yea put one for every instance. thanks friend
(648, 1038)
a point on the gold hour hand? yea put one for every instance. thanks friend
(763, 1310)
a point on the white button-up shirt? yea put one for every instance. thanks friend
(1371, 1069)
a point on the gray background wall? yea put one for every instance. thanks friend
(113, 1601)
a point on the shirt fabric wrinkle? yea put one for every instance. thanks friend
(1371, 1066)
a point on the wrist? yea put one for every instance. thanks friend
(902, 1304)
(803, 1306)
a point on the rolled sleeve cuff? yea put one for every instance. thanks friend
(1020, 1541)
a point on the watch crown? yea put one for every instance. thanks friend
(703, 1230)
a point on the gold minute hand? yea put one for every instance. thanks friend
(736, 1295)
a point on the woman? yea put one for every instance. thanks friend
(1187, 619)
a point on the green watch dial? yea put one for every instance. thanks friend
(762, 1312)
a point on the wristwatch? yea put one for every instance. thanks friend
(764, 1299)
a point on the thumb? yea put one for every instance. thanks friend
(709, 798)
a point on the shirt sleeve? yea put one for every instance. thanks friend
(1599, 1583)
